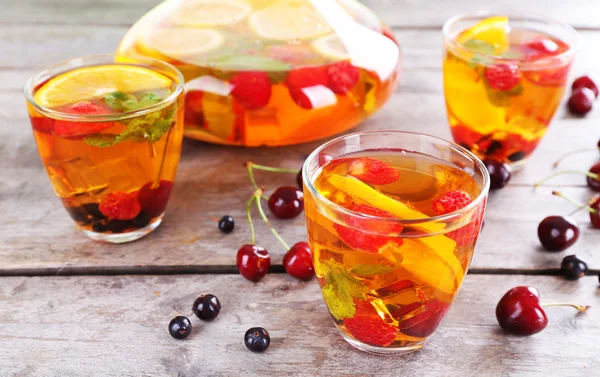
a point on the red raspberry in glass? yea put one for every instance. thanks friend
(252, 89)
(64, 128)
(342, 77)
(451, 201)
(502, 77)
(368, 327)
(120, 206)
(373, 171)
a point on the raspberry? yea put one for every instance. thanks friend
(539, 48)
(63, 128)
(307, 77)
(42, 124)
(252, 89)
(451, 201)
(342, 77)
(367, 326)
(120, 206)
(585, 82)
(356, 238)
(299, 79)
(502, 77)
(154, 200)
(426, 322)
(466, 235)
(373, 172)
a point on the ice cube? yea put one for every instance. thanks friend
(124, 174)
(75, 177)
(398, 300)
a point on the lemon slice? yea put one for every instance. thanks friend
(97, 81)
(202, 13)
(290, 20)
(331, 47)
(183, 42)
(492, 30)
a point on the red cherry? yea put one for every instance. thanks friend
(500, 173)
(502, 77)
(154, 200)
(298, 262)
(594, 183)
(585, 82)
(581, 101)
(252, 89)
(519, 311)
(286, 202)
(253, 262)
(558, 233)
(595, 217)
(425, 323)
(342, 77)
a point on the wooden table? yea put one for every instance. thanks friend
(73, 307)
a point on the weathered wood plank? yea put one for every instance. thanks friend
(109, 326)
(406, 13)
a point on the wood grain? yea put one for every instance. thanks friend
(405, 13)
(117, 326)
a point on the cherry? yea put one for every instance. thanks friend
(581, 101)
(557, 233)
(298, 262)
(253, 262)
(299, 180)
(286, 202)
(500, 173)
(153, 198)
(519, 312)
(180, 327)
(593, 208)
(585, 82)
(206, 307)
(573, 268)
(593, 181)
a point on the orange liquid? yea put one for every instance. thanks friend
(504, 125)
(216, 116)
(83, 175)
(402, 282)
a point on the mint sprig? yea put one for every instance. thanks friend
(149, 128)
(341, 289)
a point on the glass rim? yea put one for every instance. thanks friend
(532, 16)
(440, 218)
(79, 62)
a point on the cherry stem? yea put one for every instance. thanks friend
(271, 169)
(249, 216)
(581, 206)
(257, 196)
(561, 158)
(586, 173)
(580, 308)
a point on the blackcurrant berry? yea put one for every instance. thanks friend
(573, 268)
(180, 327)
(226, 224)
(257, 339)
(206, 307)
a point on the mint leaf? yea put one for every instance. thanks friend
(121, 101)
(100, 140)
(481, 47)
(341, 289)
(159, 128)
(148, 100)
(368, 270)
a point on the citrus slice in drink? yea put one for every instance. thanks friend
(330, 46)
(288, 21)
(180, 42)
(492, 30)
(98, 81)
(207, 13)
